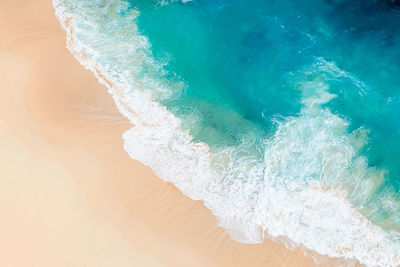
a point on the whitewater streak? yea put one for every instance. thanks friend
(288, 193)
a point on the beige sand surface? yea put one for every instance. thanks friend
(69, 193)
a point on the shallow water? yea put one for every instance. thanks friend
(281, 117)
(248, 57)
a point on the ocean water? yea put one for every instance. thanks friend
(282, 117)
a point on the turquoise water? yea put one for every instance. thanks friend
(245, 56)
(282, 117)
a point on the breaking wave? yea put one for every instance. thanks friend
(306, 181)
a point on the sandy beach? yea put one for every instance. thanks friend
(69, 194)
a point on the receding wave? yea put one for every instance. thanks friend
(309, 184)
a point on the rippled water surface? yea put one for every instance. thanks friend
(283, 117)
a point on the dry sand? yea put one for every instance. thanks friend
(69, 193)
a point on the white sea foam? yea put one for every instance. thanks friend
(167, 2)
(293, 191)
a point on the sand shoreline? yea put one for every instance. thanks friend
(70, 194)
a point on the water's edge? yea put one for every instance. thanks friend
(197, 169)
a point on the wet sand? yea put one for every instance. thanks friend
(69, 193)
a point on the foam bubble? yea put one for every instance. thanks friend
(167, 2)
